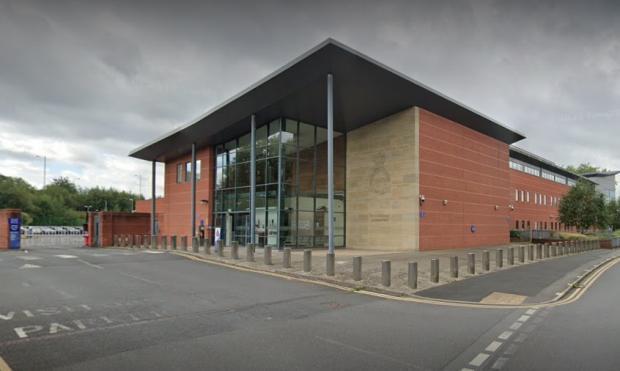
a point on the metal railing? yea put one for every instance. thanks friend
(52, 240)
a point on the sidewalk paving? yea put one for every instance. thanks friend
(371, 265)
(535, 283)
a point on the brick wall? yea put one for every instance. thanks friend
(174, 209)
(529, 211)
(470, 171)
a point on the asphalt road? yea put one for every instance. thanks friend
(80, 309)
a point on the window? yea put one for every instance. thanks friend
(535, 198)
(545, 201)
(522, 196)
(188, 171)
(527, 194)
(179, 173)
(516, 195)
(198, 169)
(516, 224)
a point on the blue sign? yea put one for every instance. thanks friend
(14, 233)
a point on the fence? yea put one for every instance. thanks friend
(52, 240)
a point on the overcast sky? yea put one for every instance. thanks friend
(85, 82)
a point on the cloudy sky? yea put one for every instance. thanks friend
(85, 82)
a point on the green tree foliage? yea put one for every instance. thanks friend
(584, 168)
(584, 207)
(61, 202)
(613, 212)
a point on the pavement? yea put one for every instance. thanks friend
(448, 287)
(101, 309)
(535, 283)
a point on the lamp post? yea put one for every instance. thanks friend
(131, 205)
(44, 168)
(139, 176)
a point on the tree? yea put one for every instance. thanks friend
(15, 193)
(61, 202)
(584, 207)
(613, 212)
(584, 168)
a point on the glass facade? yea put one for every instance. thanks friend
(291, 186)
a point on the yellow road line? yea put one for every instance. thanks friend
(572, 297)
(3, 365)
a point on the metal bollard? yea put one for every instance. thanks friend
(267, 255)
(286, 257)
(249, 252)
(219, 247)
(195, 244)
(552, 249)
(386, 273)
(145, 241)
(307, 260)
(357, 268)
(330, 262)
(511, 256)
(115, 240)
(471, 263)
(412, 275)
(173, 242)
(538, 251)
(486, 265)
(234, 250)
(530, 252)
(454, 266)
(499, 258)
(521, 254)
(164, 242)
(132, 239)
(154, 242)
(184, 243)
(546, 250)
(435, 270)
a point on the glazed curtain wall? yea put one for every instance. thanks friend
(291, 186)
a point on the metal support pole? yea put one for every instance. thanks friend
(454, 266)
(153, 199)
(386, 273)
(412, 275)
(307, 260)
(253, 180)
(357, 268)
(471, 263)
(193, 204)
(434, 270)
(330, 161)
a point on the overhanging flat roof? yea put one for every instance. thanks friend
(364, 91)
(530, 158)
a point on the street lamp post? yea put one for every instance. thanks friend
(139, 176)
(44, 169)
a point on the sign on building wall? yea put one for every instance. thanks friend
(218, 233)
(14, 233)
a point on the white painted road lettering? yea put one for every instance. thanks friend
(22, 332)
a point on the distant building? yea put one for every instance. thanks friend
(605, 183)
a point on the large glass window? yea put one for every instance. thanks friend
(291, 185)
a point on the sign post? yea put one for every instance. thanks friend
(15, 224)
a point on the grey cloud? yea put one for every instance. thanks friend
(116, 74)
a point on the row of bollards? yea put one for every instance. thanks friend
(530, 252)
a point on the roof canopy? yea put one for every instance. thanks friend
(364, 91)
(530, 158)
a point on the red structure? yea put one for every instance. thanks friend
(465, 184)
(104, 225)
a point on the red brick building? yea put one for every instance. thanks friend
(412, 169)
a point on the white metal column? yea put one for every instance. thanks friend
(330, 161)
(193, 203)
(153, 198)
(253, 180)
